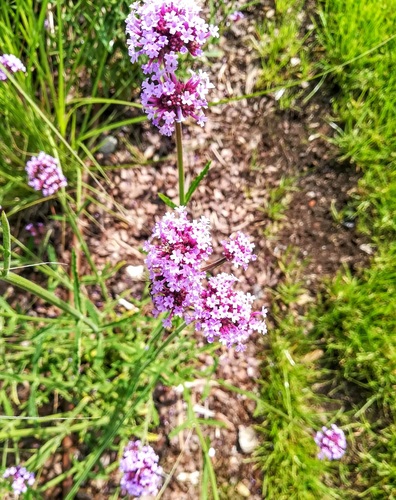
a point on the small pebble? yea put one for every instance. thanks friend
(108, 145)
(243, 490)
(247, 439)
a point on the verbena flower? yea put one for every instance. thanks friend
(21, 478)
(176, 251)
(45, 174)
(236, 16)
(239, 250)
(157, 28)
(12, 64)
(332, 443)
(226, 314)
(167, 100)
(36, 230)
(141, 472)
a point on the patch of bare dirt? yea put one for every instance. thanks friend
(252, 146)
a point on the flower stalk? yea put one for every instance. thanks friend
(180, 167)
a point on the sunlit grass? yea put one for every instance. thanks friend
(349, 333)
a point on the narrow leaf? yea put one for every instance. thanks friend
(6, 244)
(76, 281)
(167, 200)
(44, 294)
(195, 183)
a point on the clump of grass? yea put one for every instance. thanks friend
(356, 321)
(352, 326)
(366, 105)
(288, 454)
(281, 43)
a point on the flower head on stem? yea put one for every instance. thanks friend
(167, 100)
(239, 250)
(45, 174)
(176, 251)
(21, 478)
(227, 314)
(160, 29)
(12, 64)
(141, 472)
(332, 443)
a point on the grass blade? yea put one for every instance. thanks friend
(6, 244)
(76, 281)
(29, 286)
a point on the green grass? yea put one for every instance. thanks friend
(281, 43)
(357, 319)
(288, 452)
(89, 371)
(350, 329)
(84, 367)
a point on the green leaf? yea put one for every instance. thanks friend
(167, 200)
(76, 281)
(112, 126)
(195, 183)
(44, 294)
(6, 244)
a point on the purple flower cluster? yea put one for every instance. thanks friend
(160, 30)
(176, 253)
(167, 100)
(157, 28)
(227, 314)
(332, 443)
(141, 472)
(45, 174)
(174, 263)
(12, 64)
(21, 477)
(239, 250)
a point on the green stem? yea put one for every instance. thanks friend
(180, 169)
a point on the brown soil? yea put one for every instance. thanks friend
(252, 146)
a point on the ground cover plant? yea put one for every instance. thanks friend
(350, 340)
(90, 370)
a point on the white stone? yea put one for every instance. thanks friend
(247, 439)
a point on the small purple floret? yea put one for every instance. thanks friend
(21, 478)
(239, 250)
(36, 230)
(45, 174)
(236, 16)
(332, 443)
(12, 64)
(141, 472)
